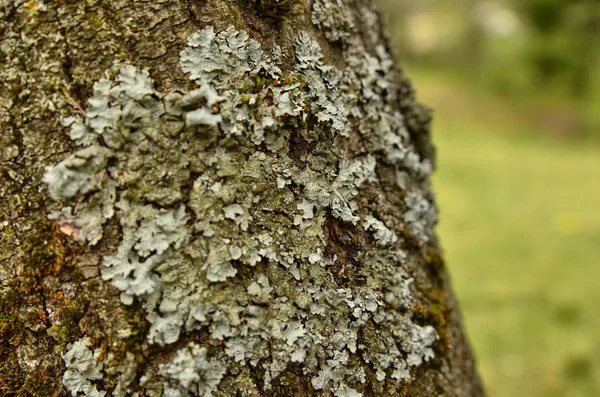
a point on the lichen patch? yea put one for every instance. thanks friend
(222, 194)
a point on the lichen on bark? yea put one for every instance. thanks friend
(228, 223)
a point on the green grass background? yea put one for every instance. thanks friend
(520, 225)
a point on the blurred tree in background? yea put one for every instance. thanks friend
(549, 49)
(565, 42)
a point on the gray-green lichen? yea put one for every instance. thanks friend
(334, 19)
(191, 373)
(383, 236)
(421, 215)
(79, 174)
(223, 231)
(83, 368)
(339, 196)
(215, 58)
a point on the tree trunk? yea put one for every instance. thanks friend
(218, 197)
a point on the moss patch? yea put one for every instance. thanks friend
(22, 310)
(138, 326)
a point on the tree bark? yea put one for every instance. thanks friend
(185, 213)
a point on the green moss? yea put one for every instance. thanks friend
(437, 313)
(92, 285)
(9, 233)
(11, 335)
(39, 385)
(70, 316)
(135, 316)
(46, 254)
(434, 264)
(14, 383)
(410, 242)
(288, 384)
(96, 21)
(11, 376)
(10, 324)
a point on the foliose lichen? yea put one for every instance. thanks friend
(191, 373)
(334, 18)
(339, 196)
(383, 236)
(223, 229)
(83, 368)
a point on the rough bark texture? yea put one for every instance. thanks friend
(335, 188)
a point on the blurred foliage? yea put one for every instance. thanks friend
(539, 50)
(565, 40)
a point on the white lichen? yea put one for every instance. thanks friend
(215, 58)
(149, 237)
(383, 236)
(339, 196)
(421, 215)
(328, 87)
(83, 368)
(334, 19)
(82, 172)
(345, 187)
(191, 373)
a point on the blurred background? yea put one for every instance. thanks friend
(515, 86)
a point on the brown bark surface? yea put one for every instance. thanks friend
(52, 294)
